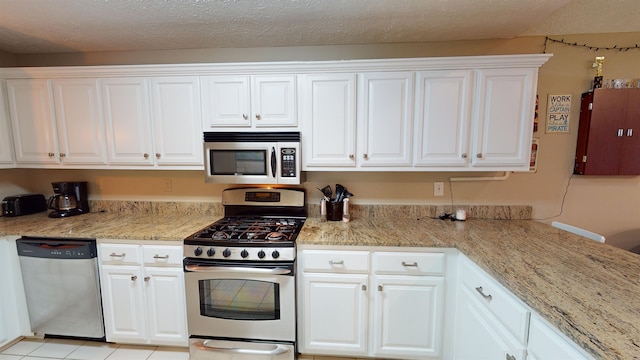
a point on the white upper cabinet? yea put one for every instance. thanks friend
(176, 114)
(385, 114)
(443, 115)
(79, 121)
(328, 110)
(242, 101)
(128, 121)
(153, 121)
(505, 102)
(56, 122)
(6, 144)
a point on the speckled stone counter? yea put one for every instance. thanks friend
(588, 290)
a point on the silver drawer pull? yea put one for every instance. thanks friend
(413, 264)
(158, 257)
(336, 262)
(269, 350)
(117, 255)
(480, 290)
(134, 278)
(510, 357)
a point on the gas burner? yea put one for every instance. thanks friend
(276, 235)
(220, 235)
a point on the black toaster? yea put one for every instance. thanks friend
(24, 204)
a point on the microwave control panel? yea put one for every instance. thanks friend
(288, 161)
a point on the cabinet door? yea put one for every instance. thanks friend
(503, 117)
(166, 306)
(177, 120)
(123, 303)
(328, 113)
(79, 121)
(225, 102)
(547, 343)
(443, 114)
(33, 121)
(273, 100)
(335, 312)
(14, 318)
(478, 335)
(6, 143)
(408, 316)
(629, 159)
(128, 124)
(385, 117)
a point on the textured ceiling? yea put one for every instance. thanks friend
(52, 26)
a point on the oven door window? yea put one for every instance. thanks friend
(239, 299)
(238, 162)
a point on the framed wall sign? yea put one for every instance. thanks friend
(558, 111)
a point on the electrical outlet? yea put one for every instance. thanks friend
(167, 185)
(438, 189)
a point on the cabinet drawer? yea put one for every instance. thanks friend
(162, 255)
(506, 308)
(120, 254)
(409, 263)
(335, 261)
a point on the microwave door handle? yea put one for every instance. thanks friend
(242, 270)
(273, 161)
(276, 350)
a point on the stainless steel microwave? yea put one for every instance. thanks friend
(252, 157)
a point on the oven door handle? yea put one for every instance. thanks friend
(277, 349)
(242, 270)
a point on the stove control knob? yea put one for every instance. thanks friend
(261, 254)
(275, 254)
(226, 253)
(211, 252)
(244, 253)
(198, 251)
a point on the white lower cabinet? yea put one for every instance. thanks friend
(546, 342)
(14, 317)
(143, 294)
(378, 304)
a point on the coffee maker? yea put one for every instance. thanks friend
(69, 199)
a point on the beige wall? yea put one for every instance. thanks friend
(607, 205)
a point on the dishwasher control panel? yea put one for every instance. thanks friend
(50, 248)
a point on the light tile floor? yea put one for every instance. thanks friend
(56, 349)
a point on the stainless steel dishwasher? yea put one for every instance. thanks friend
(62, 286)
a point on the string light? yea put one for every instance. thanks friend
(590, 47)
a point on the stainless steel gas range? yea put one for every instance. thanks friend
(240, 277)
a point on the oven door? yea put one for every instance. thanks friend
(237, 299)
(210, 349)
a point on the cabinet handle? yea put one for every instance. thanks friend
(157, 155)
(464, 156)
(413, 264)
(62, 155)
(351, 156)
(156, 256)
(486, 297)
(146, 278)
(620, 132)
(510, 357)
(336, 262)
(257, 116)
(117, 255)
(365, 156)
(51, 154)
(146, 156)
(245, 116)
(134, 278)
(629, 132)
(479, 155)
(379, 287)
(364, 287)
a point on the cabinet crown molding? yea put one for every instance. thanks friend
(430, 63)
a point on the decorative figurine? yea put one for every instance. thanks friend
(597, 81)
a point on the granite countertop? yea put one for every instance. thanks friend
(588, 290)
